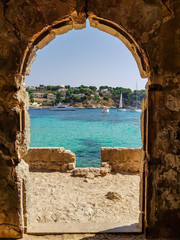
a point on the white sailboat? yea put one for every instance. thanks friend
(120, 108)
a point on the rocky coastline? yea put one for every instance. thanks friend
(84, 97)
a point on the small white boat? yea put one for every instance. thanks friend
(134, 110)
(137, 110)
(105, 110)
(61, 107)
(34, 108)
(120, 108)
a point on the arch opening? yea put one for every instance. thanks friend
(45, 41)
(48, 34)
(82, 74)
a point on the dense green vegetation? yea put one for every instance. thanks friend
(30, 91)
(85, 94)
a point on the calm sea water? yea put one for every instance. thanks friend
(85, 131)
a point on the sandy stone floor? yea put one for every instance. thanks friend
(59, 198)
(86, 237)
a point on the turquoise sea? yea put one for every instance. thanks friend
(85, 131)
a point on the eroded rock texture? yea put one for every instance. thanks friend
(151, 31)
(50, 159)
(123, 160)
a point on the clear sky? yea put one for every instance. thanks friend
(85, 57)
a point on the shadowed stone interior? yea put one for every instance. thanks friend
(151, 31)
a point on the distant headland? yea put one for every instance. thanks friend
(84, 96)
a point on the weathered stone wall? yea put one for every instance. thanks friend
(151, 31)
(59, 159)
(124, 160)
(50, 159)
(162, 159)
(24, 184)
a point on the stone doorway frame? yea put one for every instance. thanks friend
(150, 31)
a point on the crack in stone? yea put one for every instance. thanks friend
(14, 227)
(16, 30)
(164, 3)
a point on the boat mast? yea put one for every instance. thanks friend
(120, 101)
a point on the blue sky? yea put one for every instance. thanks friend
(88, 57)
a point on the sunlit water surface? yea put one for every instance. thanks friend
(85, 131)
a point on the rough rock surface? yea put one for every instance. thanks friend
(60, 198)
(91, 172)
(151, 31)
(50, 159)
(121, 160)
(113, 196)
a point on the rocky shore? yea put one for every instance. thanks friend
(85, 96)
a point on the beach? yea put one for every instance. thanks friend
(59, 198)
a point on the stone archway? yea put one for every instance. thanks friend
(147, 30)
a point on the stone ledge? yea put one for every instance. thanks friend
(115, 159)
(124, 160)
(91, 172)
(50, 159)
